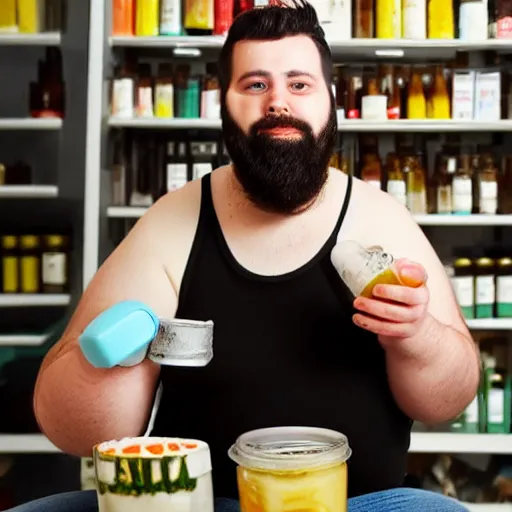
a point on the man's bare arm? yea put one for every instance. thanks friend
(77, 405)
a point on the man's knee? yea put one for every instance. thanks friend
(405, 500)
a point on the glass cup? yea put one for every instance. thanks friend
(361, 269)
(153, 474)
(287, 469)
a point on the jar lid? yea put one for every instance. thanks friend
(290, 448)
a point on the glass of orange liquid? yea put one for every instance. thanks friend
(291, 469)
(361, 269)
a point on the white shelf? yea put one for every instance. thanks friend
(353, 125)
(488, 507)
(31, 123)
(125, 212)
(214, 42)
(28, 191)
(26, 443)
(177, 123)
(18, 39)
(491, 324)
(28, 300)
(22, 340)
(434, 442)
(463, 220)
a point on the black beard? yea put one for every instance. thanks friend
(280, 175)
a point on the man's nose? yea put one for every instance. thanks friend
(277, 105)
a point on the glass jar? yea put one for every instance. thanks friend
(485, 291)
(55, 267)
(463, 283)
(504, 288)
(302, 468)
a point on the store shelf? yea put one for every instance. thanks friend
(434, 442)
(26, 443)
(32, 300)
(28, 191)
(488, 507)
(125, 212)
(176, 124)
(31, 123)
(214, 42)
(491, 324)
(43, 39)
(353, 125)
(22, 340)
(463, 220)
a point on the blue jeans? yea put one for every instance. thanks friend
(395, 500)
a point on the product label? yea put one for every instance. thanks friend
(504, 289)
(145, 102)
(463, 288)
(394, 113)
(463, 95)
(164, 101)
(488, 197)
(122, 98)
(374, 108)
(415, 19)
(488, 97)
(485, 290)
(170, 17)
(54, 268)
(462, 195)
(472, 411)
(417, 202)
(504, 28)
(444, 199)
(496, 404)
(10, 274)
(397, 189)
(353, 114)
(210, 104)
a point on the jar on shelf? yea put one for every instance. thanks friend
(485, 291)
(463, 283)
(10, 264)
(504, 288)
(55, 264)
(30, 264)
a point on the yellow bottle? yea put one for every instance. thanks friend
(30, 16)
(389, 19)
(440, 99)
(440, 19)
(416, 103)
(147, 18)
(8, 16)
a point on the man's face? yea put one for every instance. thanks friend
(279, 123)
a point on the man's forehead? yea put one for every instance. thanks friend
(279, 55)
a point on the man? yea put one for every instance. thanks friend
(250, 248)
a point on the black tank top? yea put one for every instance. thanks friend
(285, 353)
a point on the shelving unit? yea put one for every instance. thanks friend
(30, 123)
(36, 300)
(28, 191)
(42, 39)
(22, 340)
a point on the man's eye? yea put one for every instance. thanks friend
(257, 86)
(299, 86)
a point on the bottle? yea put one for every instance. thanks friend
(504, 19)
(488, 188)
(210, 96)
(416, 185)
(442, 183)
(416, 102)
(440, 98)
(123, 94)
(389, 19)
(363, 19)
(31, 16)
(396, 185)
(414, 18)
(374, 104)
(170, 18)
(485, 292)
(144, 94)
(440, 20)
(392, 92)
(30, 264)
(352, 108)
(10, 264)
(504, 185)
(462, 188)
(199, 16)
(8, 21)
(123, 17)
(55, 265)
(492, 11)
(498, 398)
(463, 284)
(504, 288)
(223, 10)
(164, 92)
(118, 176)
(473, 20)
(371, 171)
(147, 18)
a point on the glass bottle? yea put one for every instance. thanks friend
(396, 185)
(144, 94)
(442, 184)
(30, 264)
(164, 92)
(416, 186)
(462, 187)
(416, 102)
(440, 98)
(371, 171)
(363, 19)
(504, 288)
(488, 187)
(485, 293)
(55, 265)
(10, 264)
(505, 185)
(463, 283)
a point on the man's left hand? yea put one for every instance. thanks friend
(396, 312)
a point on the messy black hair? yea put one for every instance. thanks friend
(283, 18)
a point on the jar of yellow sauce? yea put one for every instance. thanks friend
(291, 468)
